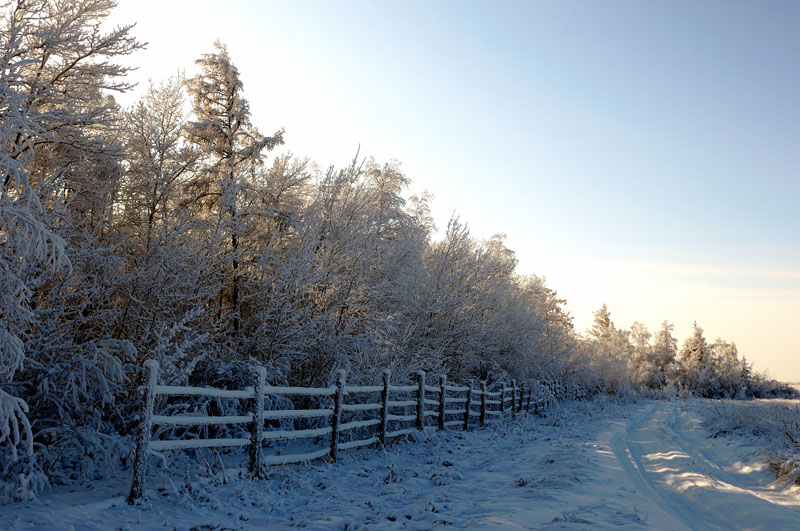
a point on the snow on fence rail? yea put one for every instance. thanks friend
(461, 410)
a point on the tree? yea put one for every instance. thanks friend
(665, 346)
(640, 337)
(610, 352)
(727, 368)
(157, 158)
(603, 327)
(55, 67)
(695, 351)
(696, 368)
(27, 242)
(230, 152)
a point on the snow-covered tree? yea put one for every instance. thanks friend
(157, 159)
(610, 352)
(230, 155)
(696, 368)
(665, 346)
(28, 244)
(602, 327)
(55, 65)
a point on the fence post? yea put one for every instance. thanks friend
(257, 426)
(442, 398)
(421, 400)
(469, 405)
(338, 400)
(385, 406)
(483, 403)
(143, 437)
(514, 398)
(521, 398)
(502, 398)
(528, 402)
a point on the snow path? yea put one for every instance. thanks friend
(591, 465)
(700, 480)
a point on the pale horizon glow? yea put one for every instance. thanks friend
(635, 154)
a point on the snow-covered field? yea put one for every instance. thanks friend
(596, 464)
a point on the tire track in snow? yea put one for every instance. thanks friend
(629, 459)
(685, 478)
(720, 468)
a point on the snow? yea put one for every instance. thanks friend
(404, 388)
(449, 400)
(356, 444)
(360, 407)
(306, 391)
(350, 389)
(702, 481)
(297, 413)
(398, 433)
(197, 443)
(295, 458)
(189, 420)
(358, 424)
(286, 435)
(201, 391)
(401, 403)
(401, 418)
(597, 464)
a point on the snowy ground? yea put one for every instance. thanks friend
(592, 465)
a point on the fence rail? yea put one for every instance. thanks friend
(392, 410)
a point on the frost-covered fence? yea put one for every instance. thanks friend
(144, 444)
(350, 411)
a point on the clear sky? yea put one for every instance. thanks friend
(645, 155)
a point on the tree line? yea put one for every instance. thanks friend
(643, 362)
(167, 231)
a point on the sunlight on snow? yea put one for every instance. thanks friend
(685, 481)
(688, 480)
(666, 456)
(742, 468)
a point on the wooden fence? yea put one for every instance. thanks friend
(450, 405)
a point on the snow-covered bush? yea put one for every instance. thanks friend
(51, 125)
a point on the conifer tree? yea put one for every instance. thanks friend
(602, 328)
(665, 345)
(230, 153)
(695, 351)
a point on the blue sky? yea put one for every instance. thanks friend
(639, 154)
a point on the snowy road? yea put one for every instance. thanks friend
(592, 465)
(700, 481)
